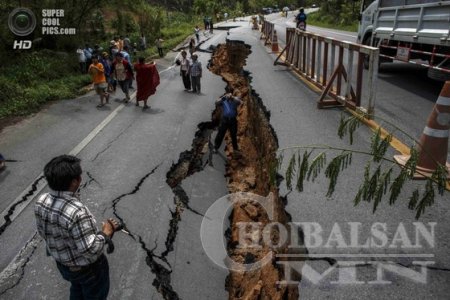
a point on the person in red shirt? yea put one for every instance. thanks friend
(147, 79)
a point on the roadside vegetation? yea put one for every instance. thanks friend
(50, 71)
(325, 21)
(341, 15)
(29, 81)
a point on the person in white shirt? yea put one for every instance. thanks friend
(184, 70)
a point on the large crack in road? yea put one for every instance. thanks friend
(12, 209)
(251, 173)
(189, 162)
(162, 273)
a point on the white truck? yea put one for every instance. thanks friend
(412, 31)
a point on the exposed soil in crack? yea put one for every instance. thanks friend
(251, 173)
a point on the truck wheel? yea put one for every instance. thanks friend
(366, 57)
(438, 75)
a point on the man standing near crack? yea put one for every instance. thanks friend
(70, 232)
(228, 121)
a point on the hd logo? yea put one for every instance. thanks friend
(22, 22)
(22, 44)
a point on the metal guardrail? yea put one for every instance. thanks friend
(267, 30)
(320, 60)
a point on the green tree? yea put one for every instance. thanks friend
(206, 7)
(150, 21)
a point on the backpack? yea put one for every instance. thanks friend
(301, 17)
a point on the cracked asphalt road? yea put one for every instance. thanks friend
(126, 166)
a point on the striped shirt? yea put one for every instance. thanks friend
(68, 228)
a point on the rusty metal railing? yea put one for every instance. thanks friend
(331, 65)
(267, 30)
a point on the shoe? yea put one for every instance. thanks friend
(125, 100)
(137, 103)
(100, 105)
(145, 107)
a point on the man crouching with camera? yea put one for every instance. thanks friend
(70, 231)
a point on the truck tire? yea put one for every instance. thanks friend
(366, 58)
(438, 75)
(366, 42)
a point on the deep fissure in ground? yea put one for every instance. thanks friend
(251, 173)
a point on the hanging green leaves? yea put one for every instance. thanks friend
(333, 169)
(378, 180)
(316, 166)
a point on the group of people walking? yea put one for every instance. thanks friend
(114, 67)
(107, 72)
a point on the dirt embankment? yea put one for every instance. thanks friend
(251, 173)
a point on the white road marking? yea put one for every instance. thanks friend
(75, 151)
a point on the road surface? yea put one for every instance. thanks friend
(127, 153)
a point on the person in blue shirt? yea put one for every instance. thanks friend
(228, 122)
(106, 62)
(301, 19)
(2, 162)
(88, 54)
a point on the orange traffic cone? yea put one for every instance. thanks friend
(433, 145)
(274, 42)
